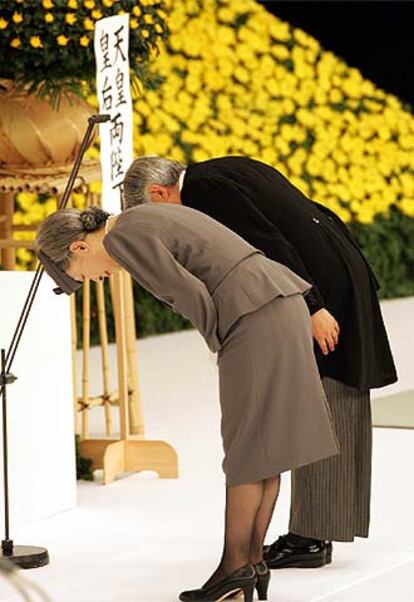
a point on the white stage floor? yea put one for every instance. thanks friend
(143, 539)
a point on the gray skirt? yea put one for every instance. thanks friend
(274, 412)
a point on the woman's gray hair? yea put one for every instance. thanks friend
(146, 171)
(59, 230)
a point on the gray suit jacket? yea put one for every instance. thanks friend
(202, 269)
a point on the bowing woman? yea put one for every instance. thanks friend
(249, 309)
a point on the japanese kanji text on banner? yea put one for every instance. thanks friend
(114, 97)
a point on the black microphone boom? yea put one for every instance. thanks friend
(28, 557)
(99, 118)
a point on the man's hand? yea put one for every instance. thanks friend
(325, 330)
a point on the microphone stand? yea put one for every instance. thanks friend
(28, 557)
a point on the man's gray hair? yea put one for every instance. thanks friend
(146, 171)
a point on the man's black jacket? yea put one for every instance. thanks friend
(262, 206)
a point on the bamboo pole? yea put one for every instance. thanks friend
(86, 346)
(135, 408)
(74, 346)
(8, 253)
(103, 335)
(119, 312)
(98, 400)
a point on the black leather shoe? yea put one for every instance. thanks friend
(282, 554)
(243, 580)
(263, 579)
(328, 548)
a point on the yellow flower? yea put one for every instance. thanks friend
(84, 41)
(336, 96)
(96, 14)
(314, 166)
(135, 11)
(49, 18)
(16, 43)
(365, 216)
(36, 42)
(70, 18)
(47, 4)
(72, 4)
(95, 187)
(145, 33)
(407, 206)
(17, 17)
(281, 52)
(279, 30)
(407, 142)
(133, 23)
(241, 74)
(384, 133)
(62, 40)
(3, 23)
(88, 24)
(24, 255)
(148, 19)
(225, 14)
(92, 153)
(78, 200)
(89, 4)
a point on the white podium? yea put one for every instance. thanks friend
(42, 469)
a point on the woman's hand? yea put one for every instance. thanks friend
(325, 330)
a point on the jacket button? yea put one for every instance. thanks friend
(315, 219)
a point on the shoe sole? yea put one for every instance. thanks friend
(230, 595)
(298, 564)
(233, 595)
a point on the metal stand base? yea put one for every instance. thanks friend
(27, 557)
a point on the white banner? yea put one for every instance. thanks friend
(114, 97)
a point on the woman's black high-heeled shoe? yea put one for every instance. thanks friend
(244, 579)
(263, 579)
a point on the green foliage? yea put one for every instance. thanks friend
(47, 46)
(83, 465)
(388, 244)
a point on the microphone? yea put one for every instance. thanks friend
(99, 118)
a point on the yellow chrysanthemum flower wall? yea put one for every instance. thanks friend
(237, 80)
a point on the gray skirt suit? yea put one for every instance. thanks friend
(251, 311)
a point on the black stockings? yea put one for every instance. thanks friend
(249, 510)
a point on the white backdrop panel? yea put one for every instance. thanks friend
(40, 415)
(399, 320)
